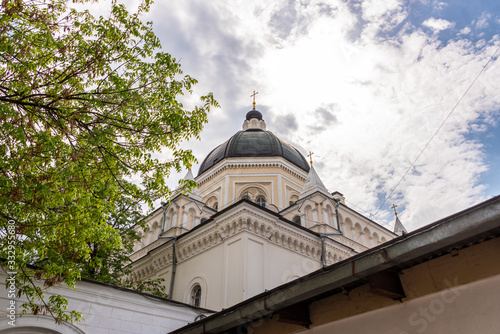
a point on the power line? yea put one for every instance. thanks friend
(373, 217)
(439, 128)
(435, 133)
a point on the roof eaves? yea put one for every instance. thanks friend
(443, 234)
(148, 295)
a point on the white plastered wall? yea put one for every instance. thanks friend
(106, 309)
(238, 268)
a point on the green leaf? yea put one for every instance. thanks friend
(85, 102)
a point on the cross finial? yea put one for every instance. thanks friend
(253, 95)
(394, 206)
(190, 162)
(310, 155)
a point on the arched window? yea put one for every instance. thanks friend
(191, 219)
(170, 221)
(296, 220)
(153, 233)
(196, 295)
(254, 194)
(309, 221)
(138, 243)
(195, 292)
(293, 199)
(213, 203)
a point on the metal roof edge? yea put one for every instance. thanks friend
(443, 234)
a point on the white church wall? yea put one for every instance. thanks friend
(239, 267)
(350, 220)
(283, 265)
(242, 253)
(260, 264)
(255, 270)
(233, 272)
(207, 265)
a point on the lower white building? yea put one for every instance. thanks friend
(107, 309)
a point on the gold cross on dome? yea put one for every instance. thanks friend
(310, 155)
(253, 95)
(394, 206)
(190, 162)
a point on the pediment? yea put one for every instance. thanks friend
(194, 205)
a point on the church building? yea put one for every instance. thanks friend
(260, 245)
(259, 217)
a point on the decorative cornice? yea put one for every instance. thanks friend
(245, 220)
(350, 213)
(146, 249)
(230, 164)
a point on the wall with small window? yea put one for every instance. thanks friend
(256, 195)
(293, 199)
(213, 203)
(195, 296)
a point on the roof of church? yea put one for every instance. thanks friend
(399, 228)
(313, 184)
(463, 229)
(195, 193)
(254, 142)
(254, 114)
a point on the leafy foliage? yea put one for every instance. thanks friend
(85, 102)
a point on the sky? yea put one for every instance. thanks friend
(364, 85)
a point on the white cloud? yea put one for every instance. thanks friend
(482, 22)
(437, 24)
(390, 100)
(381, 16)
(439, 5)
(387, 96)
(465, 31)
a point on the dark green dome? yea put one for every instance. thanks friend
(254, 143)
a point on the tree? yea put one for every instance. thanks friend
(85, 102)
(110, 265)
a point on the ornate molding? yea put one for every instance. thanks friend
(146, 249)
(248, 165)
(245, 220)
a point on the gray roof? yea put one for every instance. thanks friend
(254, 143)
(254, 114)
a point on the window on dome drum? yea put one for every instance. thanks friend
(261, 200)
(213, 203)
(296, 220)
(196, 296)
